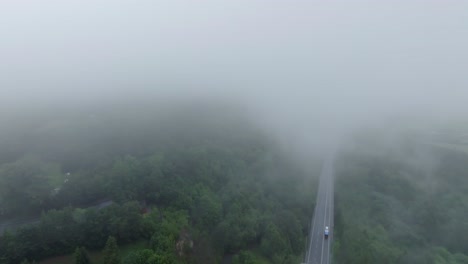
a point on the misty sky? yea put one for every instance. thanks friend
(335, 59)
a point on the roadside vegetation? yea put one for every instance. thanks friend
(401, 203)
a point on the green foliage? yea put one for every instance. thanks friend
(213, 187)
(26, 185)
(148, 256)
(138, 257)
(244, 257)
(273, 242)
(59, 231)
(397, 212)
(111, 252)
(207, 210)
(81, 256)
(442, 256)
(166, 235)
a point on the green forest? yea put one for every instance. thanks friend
(170, 184)
(187, 184)
(404, 203)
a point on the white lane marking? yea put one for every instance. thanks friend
(313, 223)
(328, 194)
(330, 219)
(324, 222)
(312, 233)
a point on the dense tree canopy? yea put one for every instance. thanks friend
(111, 253)
(407, 205)
(81, 256)
(197, 185)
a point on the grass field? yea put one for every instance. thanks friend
(96, 256)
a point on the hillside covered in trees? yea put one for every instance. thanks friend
(190, 183)
(401, 201)
(193, 184)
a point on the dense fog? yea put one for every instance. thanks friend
(303, 65)
(205, 123)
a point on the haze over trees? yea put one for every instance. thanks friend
(202, 186)
(186, 131)
(408, 203)
(196, 185)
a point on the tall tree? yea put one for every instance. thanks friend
(81, 256)
(111, 251)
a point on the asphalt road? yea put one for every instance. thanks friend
(319, 248)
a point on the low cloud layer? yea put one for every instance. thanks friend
(300, 64)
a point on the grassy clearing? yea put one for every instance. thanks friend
(96, 256)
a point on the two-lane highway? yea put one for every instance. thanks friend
(319, 249)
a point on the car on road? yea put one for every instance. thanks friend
(326, 232)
